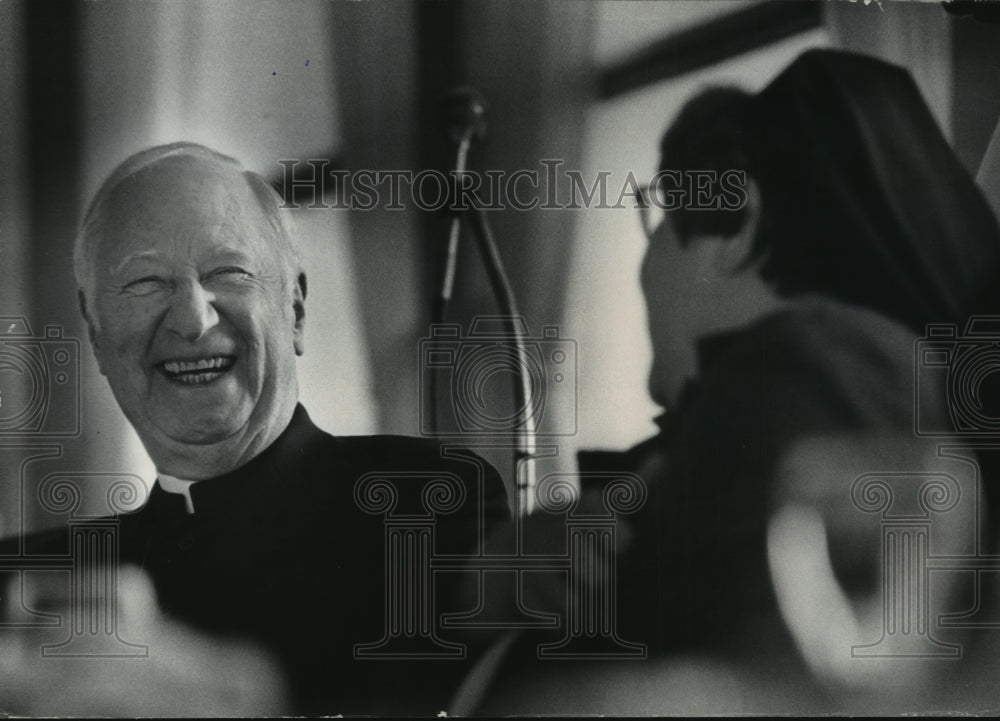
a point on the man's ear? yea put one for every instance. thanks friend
(95, 342)
(299, 306)
(734, 252)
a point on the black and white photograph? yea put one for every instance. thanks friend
(511, 358)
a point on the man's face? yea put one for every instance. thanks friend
(196, 310)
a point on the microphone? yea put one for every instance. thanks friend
(463, 112)
(464, 116)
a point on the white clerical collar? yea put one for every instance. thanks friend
(170, 484)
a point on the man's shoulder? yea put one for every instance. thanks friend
(390, 443)
(411, 463)
(310, 442)
(407, 459)
(396, 452)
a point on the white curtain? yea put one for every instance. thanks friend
(259, 86)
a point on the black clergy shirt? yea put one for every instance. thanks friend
(280, 552)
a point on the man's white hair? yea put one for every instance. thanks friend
(90, 229)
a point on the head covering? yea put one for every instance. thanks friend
(708, 134)
(863, 199)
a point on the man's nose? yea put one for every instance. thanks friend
(192, 311)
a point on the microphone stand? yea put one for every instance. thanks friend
(466, 115)
(527, 433)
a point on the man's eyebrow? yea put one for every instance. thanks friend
(133, 257)
(229, 255)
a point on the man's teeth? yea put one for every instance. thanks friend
(202, 370)
(210, 364)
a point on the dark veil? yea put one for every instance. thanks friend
(863, 198)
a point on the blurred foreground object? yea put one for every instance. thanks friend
(185, 674)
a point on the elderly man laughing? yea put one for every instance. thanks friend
(194, 298)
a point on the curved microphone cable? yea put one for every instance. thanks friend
(465, 117)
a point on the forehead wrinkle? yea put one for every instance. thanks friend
(134, 256)
(224, 211)
(223, 241)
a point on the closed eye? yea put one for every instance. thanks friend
(230, 272)
(145, 286)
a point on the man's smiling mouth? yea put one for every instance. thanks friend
(199, 371)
